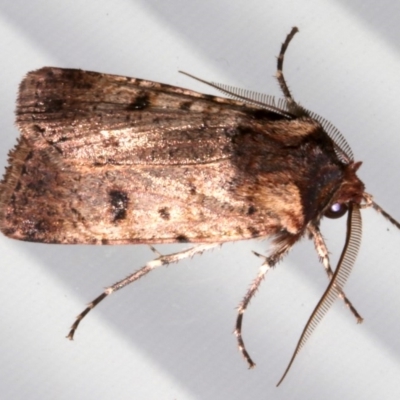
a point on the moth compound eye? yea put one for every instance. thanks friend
(336, 210)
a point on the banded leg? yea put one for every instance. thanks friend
(322, 251)
(158, 262)
(283, 247)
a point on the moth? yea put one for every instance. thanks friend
(105, 159)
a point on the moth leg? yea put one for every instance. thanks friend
(270, 261)
(160, 261)
(322, 251)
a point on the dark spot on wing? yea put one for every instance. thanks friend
(263, 114)
(53, 105)
(251, 210)
(82, 80)
(119, 201)
(210, 97)
(111, 142)
(105, 241)
(40, 185)
(38, 129)
(186, 105)
(239, 230)
(49, 73)
(182, 239)
(253, 231)
(139, 103)
(164, 213)
(82, 85)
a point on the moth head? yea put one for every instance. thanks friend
(351, 191)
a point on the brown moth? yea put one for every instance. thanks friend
(105, 159)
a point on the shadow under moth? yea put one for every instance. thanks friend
(106, 159)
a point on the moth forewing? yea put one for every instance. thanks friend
(106, 159)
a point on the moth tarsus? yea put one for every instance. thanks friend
(106, 159)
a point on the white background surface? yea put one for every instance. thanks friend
(169, 336)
